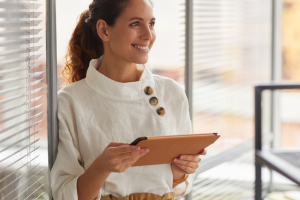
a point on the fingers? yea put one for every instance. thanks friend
(128, 159)
(203, 152)
(124, 149)
(191, 158)
(134, 154)
(192, 165)
(187, 169)
(116, 144)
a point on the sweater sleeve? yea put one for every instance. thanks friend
(68, 166)
(184, 127)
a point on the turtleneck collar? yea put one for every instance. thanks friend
(116, 90)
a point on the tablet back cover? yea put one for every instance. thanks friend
(163, 149)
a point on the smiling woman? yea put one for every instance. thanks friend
(88, 40)
(109, 102)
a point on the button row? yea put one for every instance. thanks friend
(154, 101)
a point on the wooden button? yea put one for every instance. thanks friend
(148, 90)
(161, 111)
(153, 101)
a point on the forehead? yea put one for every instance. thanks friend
(138, 8)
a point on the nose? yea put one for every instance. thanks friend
(147, 33)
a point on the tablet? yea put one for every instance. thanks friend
(163, 149)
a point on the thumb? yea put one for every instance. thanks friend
(116, 144)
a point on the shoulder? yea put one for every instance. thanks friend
(169, 87)
(72, 89)
(70, 93)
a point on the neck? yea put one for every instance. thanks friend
(119, 70)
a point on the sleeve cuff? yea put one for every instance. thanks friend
(179, 190)
(185, 187)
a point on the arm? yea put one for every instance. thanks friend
(177, 177)
(189, 163)
(90, 183)
(116, 157)
(69, 179)
(69, 183)
(185, 164)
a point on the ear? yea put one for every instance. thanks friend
(102, 30)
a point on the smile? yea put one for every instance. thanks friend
(141, 48)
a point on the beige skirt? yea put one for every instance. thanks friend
(141, 196)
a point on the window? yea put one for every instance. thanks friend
(23, 101)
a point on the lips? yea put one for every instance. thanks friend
(144, 48)
(141, 46)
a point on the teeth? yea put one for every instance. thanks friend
(140, 47)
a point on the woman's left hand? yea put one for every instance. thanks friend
(186, 164)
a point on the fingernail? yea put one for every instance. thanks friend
(138, 148)
(145, 150)
(181, 157)
(176, 159)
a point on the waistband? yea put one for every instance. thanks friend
(141, 196)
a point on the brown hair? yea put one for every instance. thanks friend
(85, 44)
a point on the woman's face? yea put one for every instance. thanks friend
(133, 35)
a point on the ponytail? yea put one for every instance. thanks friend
(83, 46)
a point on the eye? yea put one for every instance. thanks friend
(152, 24)
(134, 24)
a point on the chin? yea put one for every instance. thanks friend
(141, 60)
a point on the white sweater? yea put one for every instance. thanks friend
(96, 110)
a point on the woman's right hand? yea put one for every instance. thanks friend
(117, 157)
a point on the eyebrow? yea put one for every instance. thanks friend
(141, 19)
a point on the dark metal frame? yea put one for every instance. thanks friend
(51, 63)
(189, 54)
(189, 61)
(264, 157)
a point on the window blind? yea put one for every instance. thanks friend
(231, 53)
(22, 96)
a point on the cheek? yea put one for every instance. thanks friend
(153, 38)
(123, 41)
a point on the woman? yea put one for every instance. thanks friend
(110, 102)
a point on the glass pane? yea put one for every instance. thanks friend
(167, 56)
(231, 54)
(23, 138)
(290, 127)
